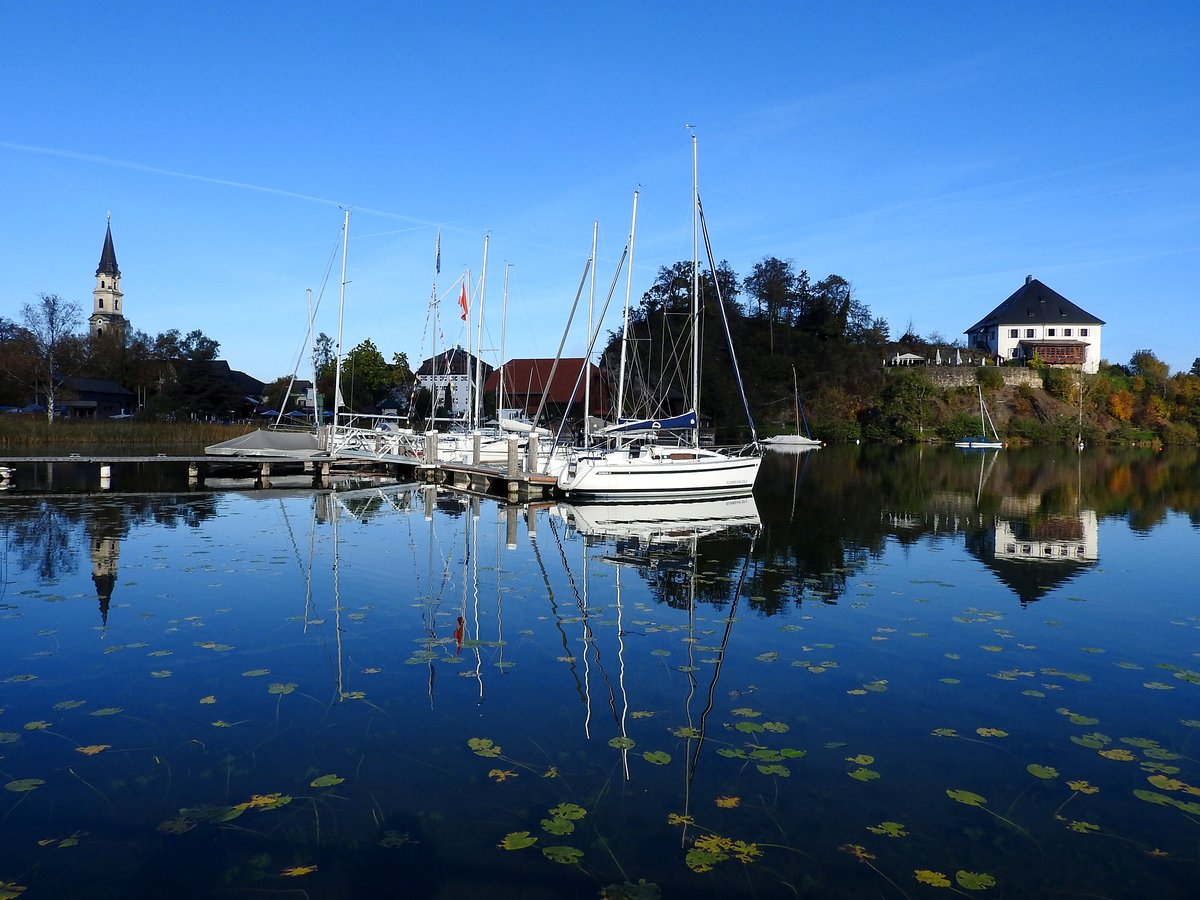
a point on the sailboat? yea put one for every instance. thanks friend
(793, 442)
(644, 467)
(981, 441)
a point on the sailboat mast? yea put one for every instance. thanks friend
(625, 319)
(478, 385)
(695, 292)
(337, 377)
(503, 329)
(587, 381)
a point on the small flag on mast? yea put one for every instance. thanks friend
(438, 260)
(462, 301)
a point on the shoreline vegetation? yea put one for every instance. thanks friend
(23, 431)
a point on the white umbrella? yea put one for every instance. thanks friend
(937, 360)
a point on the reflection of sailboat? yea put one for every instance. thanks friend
(661, 522)
(981, 441)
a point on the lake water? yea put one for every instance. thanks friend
(894, 674)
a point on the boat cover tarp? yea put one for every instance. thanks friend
(300, 444)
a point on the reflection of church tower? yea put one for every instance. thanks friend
(105, 551)
(107, 317)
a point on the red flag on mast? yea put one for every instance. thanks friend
(462, 301)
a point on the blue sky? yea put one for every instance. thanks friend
(933, 154)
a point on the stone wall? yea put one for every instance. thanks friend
(964, 376)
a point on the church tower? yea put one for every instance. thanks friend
(107, 316)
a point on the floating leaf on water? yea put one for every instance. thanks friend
(746, 712)
(24, 785)
(499, 775)
(161, 673)
(732, 753)
(1083, 827)
(891, 829)
(10, 890)
(394, 839)
(703, 860)
(1039, 771)
(931, 878)
(677, 819)
(551, 772)
(776, 769)
(974, 881)
(107, 711)
(769, 656)
(792, 753)
(776, 727)
(1083, 787)
(749, 727)
(70, 704)
(256, 673)
(483, 747)
(657, 757)
(725, 802)
(991, 732)
(277, 687)
(178, 825)
(861, 760)
(766, 755)
(93, 749)
(1152, 797)
(863, 774)
(1160, 753)
(568, 811)
(1077, 719)
(353, 695)
(268, 801)
(9, 737)
(1190, 723)
(326, 781)
(297, 871)
(950, 680)
(558, 826)
(1158, 686)
(1120, 755)
(209, 700)
(564, 855)
(859, 852)
(39, 725)
(16, 679)
(966, 797)
(944, 732)
(517, 840)
(621, 743)
(212, 645)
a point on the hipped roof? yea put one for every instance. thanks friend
(1035, 304)
(526, 377)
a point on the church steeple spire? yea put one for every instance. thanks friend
(108, 256)
(107, 317)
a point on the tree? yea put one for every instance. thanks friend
(773, 286)
(51, 325)
(1149, 366)
(1195, 370)
(365, 375)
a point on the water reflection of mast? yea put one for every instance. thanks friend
(701, 730)
(566, 644)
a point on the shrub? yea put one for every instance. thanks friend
(989, 378)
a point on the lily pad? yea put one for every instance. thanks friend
(281, 688)
(657, 757)
(24, 785)
(517, 840)
(974, 881)
(564, 855)
(326, 781)
(1039, 771)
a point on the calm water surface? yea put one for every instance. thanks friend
(896, 674)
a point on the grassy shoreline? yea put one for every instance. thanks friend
(26, 432)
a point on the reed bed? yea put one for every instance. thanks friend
(19, 432)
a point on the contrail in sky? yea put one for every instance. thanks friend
(153, 170)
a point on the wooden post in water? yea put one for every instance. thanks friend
(514, 466)
(510, 527)
(531, 453)
(476, 444)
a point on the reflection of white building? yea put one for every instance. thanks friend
(1054, 539)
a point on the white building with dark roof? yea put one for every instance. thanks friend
(1038, 320)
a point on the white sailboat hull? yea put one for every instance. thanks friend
(790, 442)
(657, 473)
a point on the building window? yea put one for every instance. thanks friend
(1049, 332)
(1012, 333)
(1066, 332)
(1083, 332)
(1029, 332)
(100, 304)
